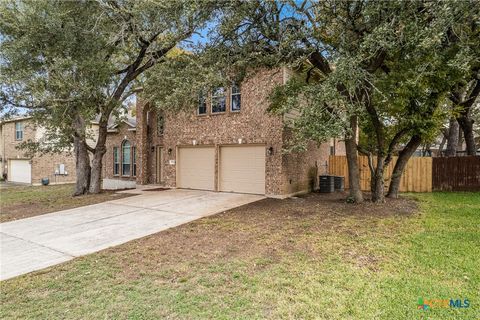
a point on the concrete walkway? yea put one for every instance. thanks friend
(38, 242)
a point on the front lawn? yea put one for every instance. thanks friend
(306, 258)
(19, 202)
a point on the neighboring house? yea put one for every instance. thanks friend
(228, 143)
(17, 166)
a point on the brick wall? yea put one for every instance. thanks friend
(10, 144)
(339, 147)
(115, 139)
(46, 165)
(301, 169)
(154, 140)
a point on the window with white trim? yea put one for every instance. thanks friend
(235, 98)
(219, 100)
(126, 158)
(18, 131)
(116, 161)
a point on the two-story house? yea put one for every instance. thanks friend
(18, 166)
(229, 143)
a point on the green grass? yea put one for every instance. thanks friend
(34, 194)
(307, 266)
(19, 202)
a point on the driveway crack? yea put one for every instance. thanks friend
(38, 244)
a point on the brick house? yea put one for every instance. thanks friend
(17, 166)
(229, 142)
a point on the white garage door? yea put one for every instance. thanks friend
(196, 168)
(20, 171)
(242, 169)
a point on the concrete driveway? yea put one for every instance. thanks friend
(42, 241)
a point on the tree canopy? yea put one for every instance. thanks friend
(388, 66)
(69, 62)
(394, 69)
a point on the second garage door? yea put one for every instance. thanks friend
(20, 171)
(242, 169)
(196, 168)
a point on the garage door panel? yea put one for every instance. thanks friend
(20, 171)
(196, 168)
(242, 169)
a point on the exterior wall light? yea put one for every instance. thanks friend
(270, 151)
(169, 151)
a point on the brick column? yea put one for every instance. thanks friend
(142, 141)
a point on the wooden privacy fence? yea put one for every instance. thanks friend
(456, 173)
(417, 176)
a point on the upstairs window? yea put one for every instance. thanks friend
(202, 103)
(160, 124)
(18, 131)
(219, 100)
(126, 160)
(116, 162)
(236, 98)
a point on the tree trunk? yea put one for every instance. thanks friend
(427, 150)
(355, 192)
(100, 149)
(82, 160)
(96, 177)
(82, 167)
(400, 165)
(466, 124)
(452, 140)
(442, 144)
(460, 139)
(466, 98)
(377, 183)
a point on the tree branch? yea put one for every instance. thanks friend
(393, 144)
(320, 62)
(468, 102)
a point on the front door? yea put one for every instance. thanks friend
(158, 164)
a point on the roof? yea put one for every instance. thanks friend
(113, 122)
(15, 119)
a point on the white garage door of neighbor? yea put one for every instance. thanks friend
(242, 169)
(196, 168)
(20, 171)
